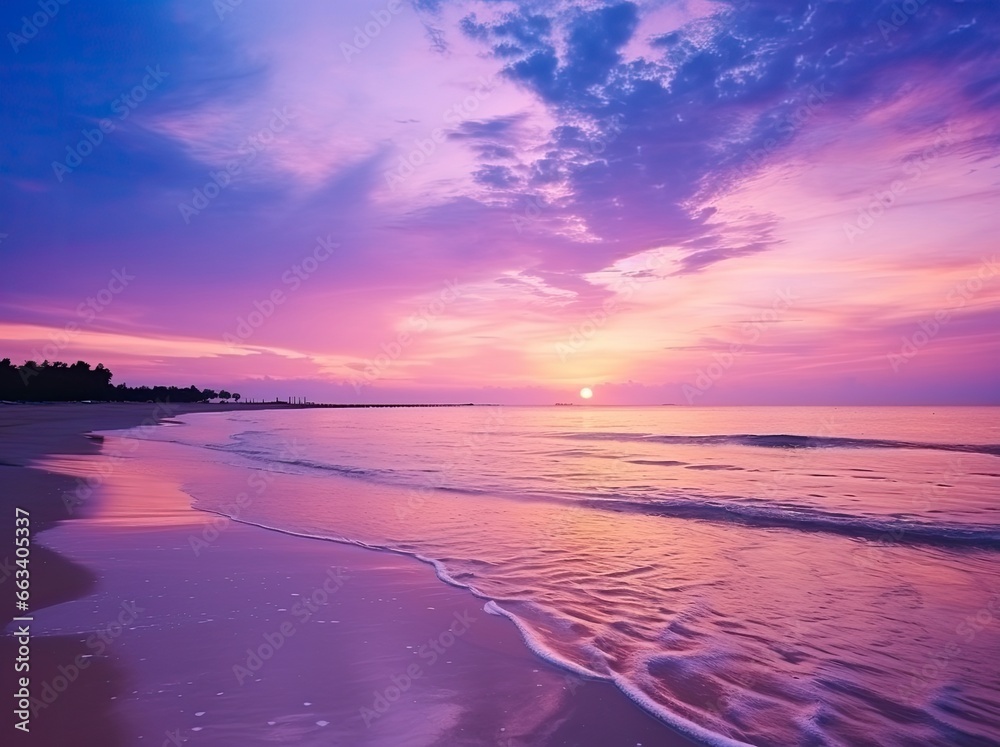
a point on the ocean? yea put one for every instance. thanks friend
(762, 575)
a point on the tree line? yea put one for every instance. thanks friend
(61, 382)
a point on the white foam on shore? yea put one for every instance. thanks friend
(685, 727)
(539, 648)
(635, 694)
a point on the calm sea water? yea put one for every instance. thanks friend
(776, 576)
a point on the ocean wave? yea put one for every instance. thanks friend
(802, 518)
(734, 510)
(785, 441)
(263, 455)
(657, 462)
(338, 468)
(747, 511)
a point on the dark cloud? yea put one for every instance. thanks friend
(643, 145)
(493, 152)
(497, 129)
(524, 30)
(593, 40)
(496, 176)
(436, 37)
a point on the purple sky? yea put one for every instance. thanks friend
(688, 202)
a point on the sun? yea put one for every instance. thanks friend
(586, 392)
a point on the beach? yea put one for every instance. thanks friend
(154, 623)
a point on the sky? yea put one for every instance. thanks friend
(667, 201)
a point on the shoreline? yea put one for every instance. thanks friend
(182, 658)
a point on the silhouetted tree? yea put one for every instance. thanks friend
(236, 396)
(10, 379)
(224, 395)
(61, 382)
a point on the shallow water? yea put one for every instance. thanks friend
(777, 576)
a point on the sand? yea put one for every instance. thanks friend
(259, 637)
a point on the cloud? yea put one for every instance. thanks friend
(496, 129)
(641, 145)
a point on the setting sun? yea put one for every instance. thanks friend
(586, 392)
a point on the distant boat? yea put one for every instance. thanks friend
(564, 404)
